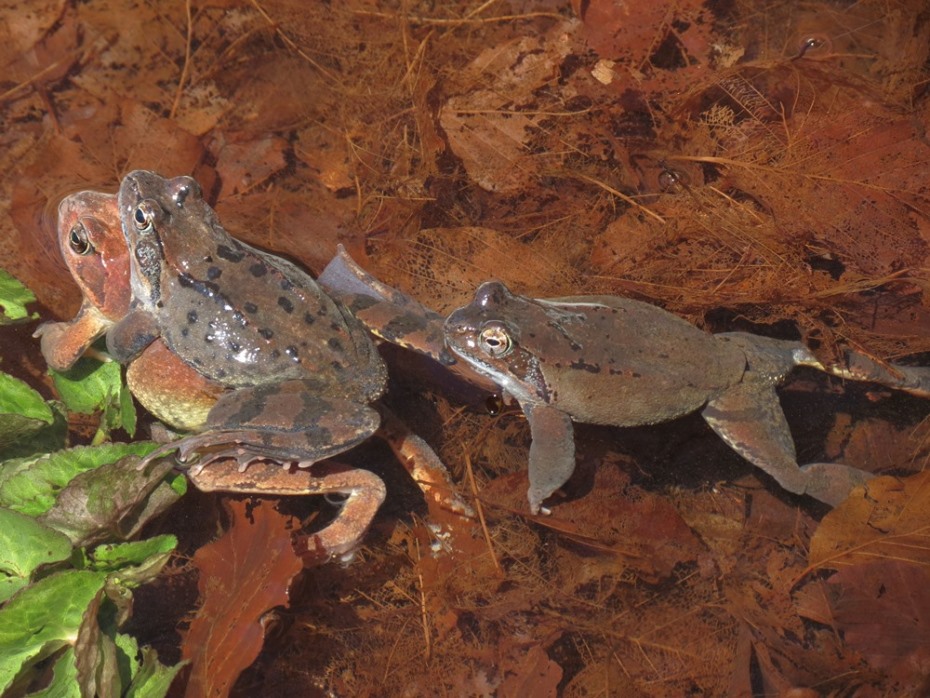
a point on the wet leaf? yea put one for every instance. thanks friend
(43, 618)
(883, 610)
(142, 553)
(92, 386)
(34, 487)
(538, 675)
(884, 519)
(111, 501)
(13, 299)
(243, 575)
(25, 545)
(22, 410)
(89, 386)
(64, 682)
(152, 679)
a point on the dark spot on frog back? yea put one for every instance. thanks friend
(258, 269)
(214, 273)
(585, 366)
(230, 254)
(286, 304)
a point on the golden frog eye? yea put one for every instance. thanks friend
(78, 240)
(144, 216)
(495, 340)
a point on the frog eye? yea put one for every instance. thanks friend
(78, 240)
(495, 340)
(144, 216)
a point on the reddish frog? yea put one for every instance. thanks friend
(621, 362)
(180, 394)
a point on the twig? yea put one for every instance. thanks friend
(291, 44)
(185, 71)
(619, 194)
(479, 508)
(424, 617)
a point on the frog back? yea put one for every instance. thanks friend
(630, 362)
(257, 318)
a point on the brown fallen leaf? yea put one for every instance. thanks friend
(538, 675)
(885, 519)
(247, 164)
(243, 575)
(883, 611)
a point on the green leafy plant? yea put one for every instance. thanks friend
(67, 568)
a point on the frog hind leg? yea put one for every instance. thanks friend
(284, 423)
(749, 418)
(364, 491)
(421, 461)
(552, 452)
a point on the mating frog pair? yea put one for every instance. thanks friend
(620, 362)
(240, 347)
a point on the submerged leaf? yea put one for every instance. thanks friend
(13, 299)
(137, 561)
(110, 501)
(243, 575)
(887, 518)
(22, 410)
(25, 544)
(89, 385)
(43, 618)
(33, 490)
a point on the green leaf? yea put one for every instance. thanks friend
(13, 299)
(25, 544)
(47, 438)
(110, 501)
(33, 491)
(43, 618)
(90, 385)
(154, 678)
(133, 563)
(127, 415)
(115, 556)
(64, 680)
(22, 410)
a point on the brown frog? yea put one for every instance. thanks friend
(185, 397)
(621, 362)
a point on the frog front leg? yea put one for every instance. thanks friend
(63, 343)
(748, 416)
(129, 337)
(552, 452)
(365, 492)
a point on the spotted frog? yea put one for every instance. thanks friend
(187, 397)
(615, 361)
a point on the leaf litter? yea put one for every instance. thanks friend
(749, 166)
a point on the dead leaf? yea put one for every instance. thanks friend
(887, 518)
(248, 164)
(537, 675)
(489, 128)
(883, 610)
(243, 575)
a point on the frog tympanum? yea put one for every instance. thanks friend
(616, 361)
(240, 347)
